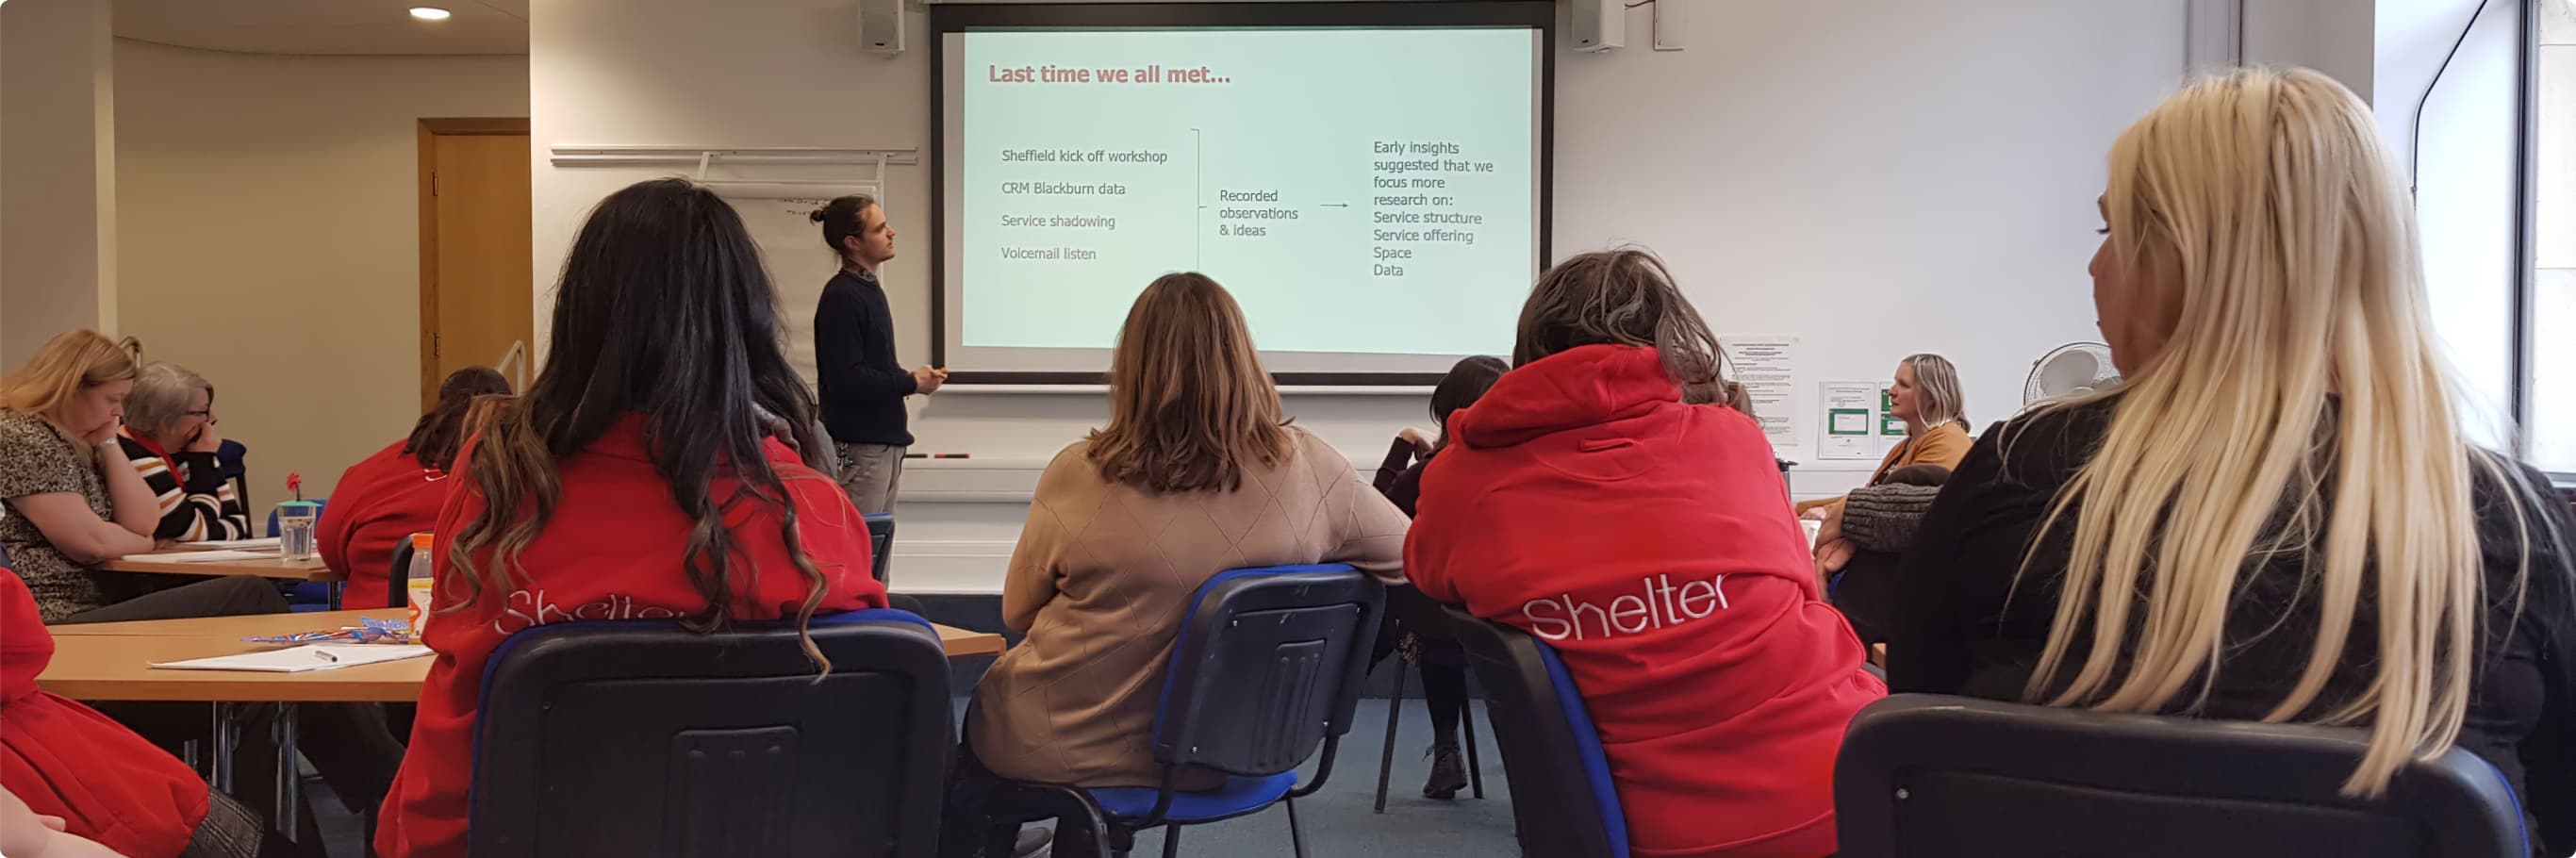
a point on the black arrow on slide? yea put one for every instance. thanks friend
(1334, 205)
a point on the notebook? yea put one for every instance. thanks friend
(301, 659)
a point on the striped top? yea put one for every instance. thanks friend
(197, 503)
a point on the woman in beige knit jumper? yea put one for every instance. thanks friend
(1198, 472)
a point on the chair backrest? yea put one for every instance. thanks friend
(642, 738)
(398, 581)
(1268, 666)
(881, 545)
(1931, 775)
(229, 460)
(1562, 793)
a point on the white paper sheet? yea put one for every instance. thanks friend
(299, 659)
(1851, 421)
(1767, 366)
(269, 544)
(217, 556)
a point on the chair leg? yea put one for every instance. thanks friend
(1296, 830)
(1475, 772)
(1171, 841)
(1000, 838)
(1121, 842)
(1386, 756)
(1074, 838)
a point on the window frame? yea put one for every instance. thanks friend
(2526, 237)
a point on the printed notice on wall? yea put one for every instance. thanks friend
(1851, 420)
(1766, 364)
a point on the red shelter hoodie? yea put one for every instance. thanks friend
(612, 551)
(1651, 544)
(380, 502)
(64, 759)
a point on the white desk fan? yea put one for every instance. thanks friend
(2073, 369)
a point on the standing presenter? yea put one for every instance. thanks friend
(863, 386)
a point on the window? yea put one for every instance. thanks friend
(2549, 420)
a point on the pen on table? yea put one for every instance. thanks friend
(326, 655)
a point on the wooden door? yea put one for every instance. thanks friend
(475, 276)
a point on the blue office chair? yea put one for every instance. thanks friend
(1563, 799)
(1927, 776)
(881, 545)
(231, 459)
(1269, 664)
(642, 738)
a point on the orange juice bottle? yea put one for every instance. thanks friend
(420, 582)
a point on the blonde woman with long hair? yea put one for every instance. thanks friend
(73, 501)
(2278, 517)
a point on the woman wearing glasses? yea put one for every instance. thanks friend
(171, 440)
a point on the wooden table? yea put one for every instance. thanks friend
(112, 661)
(274, 569)
(286, 570)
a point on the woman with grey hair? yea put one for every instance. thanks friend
(170, 437)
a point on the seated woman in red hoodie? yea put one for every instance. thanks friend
(100, 781)
(385, 498)
(666, 360)
(1650, 543)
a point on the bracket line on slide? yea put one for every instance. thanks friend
(569, 155)
(1198, 194)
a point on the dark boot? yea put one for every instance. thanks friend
(1448, 773)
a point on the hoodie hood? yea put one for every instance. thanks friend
(1578, 387)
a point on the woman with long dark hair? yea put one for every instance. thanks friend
(1649, 540)
(385, 498)
(638, 478)
(1444, 665)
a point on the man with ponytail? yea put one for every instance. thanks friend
(2278, 517)
(650, 472)
(863, 386)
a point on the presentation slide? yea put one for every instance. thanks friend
(1370, 196)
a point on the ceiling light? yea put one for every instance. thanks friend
(429, 13)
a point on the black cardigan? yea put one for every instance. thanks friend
(1962, 628)
(863, 386)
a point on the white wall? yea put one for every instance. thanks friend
(1909, 178)
(1939, 159)
(58, 184)
(268, 214)
(2338, 37)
